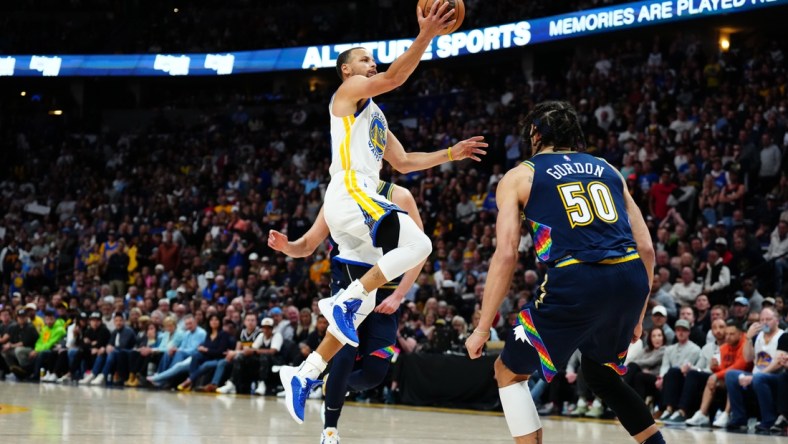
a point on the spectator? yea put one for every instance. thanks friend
(22, 339)
(53, 332)
(193, 336)
(659, 320)
(248, 335)
(5, 336)
(210, 353)
(760, 348)
(642, 372)
(256, 363)
(682, 353)
(717, 282)
(143, 354)
(686, 289)
(778, 248)
(702, 308)
(697, 335)
(730, 357)
(741, 309)
(122, 339)
(92, 350)
(682, 392)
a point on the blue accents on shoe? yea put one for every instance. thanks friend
(297, 391)
(344, 315)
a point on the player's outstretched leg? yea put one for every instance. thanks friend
(404, 246)
(518, 405)
(631, 410)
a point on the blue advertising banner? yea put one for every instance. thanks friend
(519, 34)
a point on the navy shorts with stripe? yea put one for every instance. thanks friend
(588, 306)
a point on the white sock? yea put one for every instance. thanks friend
(353, 291)
(313, 366)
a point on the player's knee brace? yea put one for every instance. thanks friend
(519, 409)
(632, 412)
(413, 247)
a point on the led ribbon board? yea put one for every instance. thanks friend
(519, 34)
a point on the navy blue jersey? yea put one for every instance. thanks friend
(576, 210)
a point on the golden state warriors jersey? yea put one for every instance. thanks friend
(358, 141)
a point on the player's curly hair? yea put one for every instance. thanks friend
(557, 124)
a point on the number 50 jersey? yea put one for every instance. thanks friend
(576, 210)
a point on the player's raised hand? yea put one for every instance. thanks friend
(277, 240)
(432, 22)
(469, 149)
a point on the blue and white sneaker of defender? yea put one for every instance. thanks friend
(297, 391)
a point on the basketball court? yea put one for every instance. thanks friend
(49, 413)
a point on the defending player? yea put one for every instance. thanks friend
(592, 237)
(357, 217)
(377, 336)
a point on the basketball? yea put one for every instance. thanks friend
(453, 4)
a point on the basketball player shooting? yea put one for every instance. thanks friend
(600, 262)
(357, 216)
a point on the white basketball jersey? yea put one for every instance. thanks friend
(358, 141)
(765, 353)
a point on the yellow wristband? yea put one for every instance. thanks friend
(448, 152)
(484, 333)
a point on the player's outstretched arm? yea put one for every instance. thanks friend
(405, 162)
(304, 246)
(511, 195)
(404, 199)
(430, 24)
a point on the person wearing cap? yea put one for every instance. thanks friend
(53, 332)
(659, 320)
(35, 320)
(760, 349)
(681, 354)
(697, 335)
(778, 247)
(716, 283)
(740, 309)
(115, 359)
(22, 339)
(750, 291)
(258, 360)
(281, 325)
(729, 357)
(94, 344)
